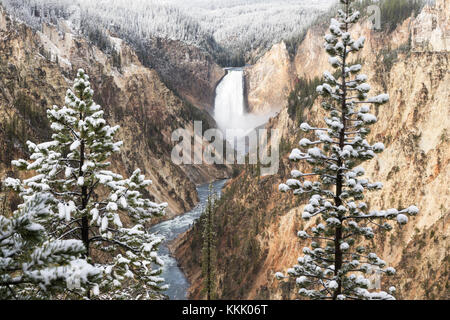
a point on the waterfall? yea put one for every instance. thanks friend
(229, 108)
(229, 103)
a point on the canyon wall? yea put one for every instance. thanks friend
(269, 81)
(188, 70)
(37, 67)
(257, 225)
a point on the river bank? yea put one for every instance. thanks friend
(171, 230)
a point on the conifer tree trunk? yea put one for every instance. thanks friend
(84, 196)
(84, 220)
(209, 256)
(84, 202)
(339, 180)
(208, 247)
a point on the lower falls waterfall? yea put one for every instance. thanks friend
(230, 111)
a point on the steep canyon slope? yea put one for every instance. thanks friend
(36, 68)
(186, 69)
(257, 225)
(269, 81)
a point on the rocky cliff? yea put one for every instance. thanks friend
(269, 81)
(36, 68)
(258, 225)
(188, 70)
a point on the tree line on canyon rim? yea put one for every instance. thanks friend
(229, 46)
(79, 231)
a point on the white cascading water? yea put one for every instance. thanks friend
(229, 108)
(229, 104)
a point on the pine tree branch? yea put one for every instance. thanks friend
(92, 189)
(68, 232)
(319, 237)
(13, 293)
(101, 239)
(325, 287)
(68, 193)
(6, 236)
(14, 281)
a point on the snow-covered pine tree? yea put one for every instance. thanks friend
(337, 262)
(209, 246)
(87, 200)
(31, 266)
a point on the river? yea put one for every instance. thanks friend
(229, 113)
(170, 230)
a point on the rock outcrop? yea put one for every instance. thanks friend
(188, 70)
(269, 81)
(431, 28)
